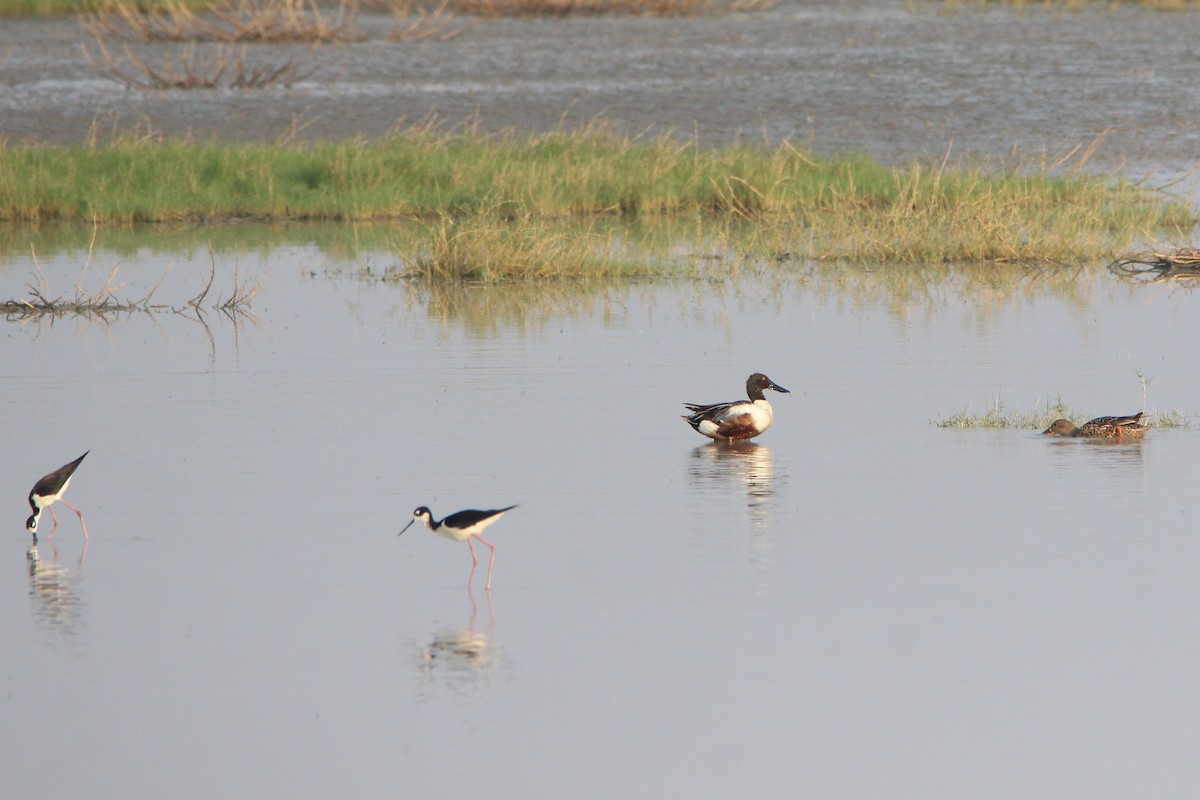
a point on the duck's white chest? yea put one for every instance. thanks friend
(763, 414)
(739, 421)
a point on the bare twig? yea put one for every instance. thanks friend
(189, 68)
(104, 302)
(241, 296)
(212, 274)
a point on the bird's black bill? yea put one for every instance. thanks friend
(409, 525)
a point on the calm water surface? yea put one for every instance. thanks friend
(896, 80)
(859, 604)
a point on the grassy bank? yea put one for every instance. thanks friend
(804, 205)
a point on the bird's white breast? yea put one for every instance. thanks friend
(760, 411)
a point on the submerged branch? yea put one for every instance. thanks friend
(1158, 266)
(104, 302)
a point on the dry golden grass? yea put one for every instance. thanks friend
(415, 23)
(232, 24)
(494, 247)
(229, 21)
(561, 8)
(267, 21)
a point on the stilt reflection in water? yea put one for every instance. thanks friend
(464, 660)
(54, 595)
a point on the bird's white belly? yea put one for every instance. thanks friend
(53, 498)
(457, 534)
(757, 415)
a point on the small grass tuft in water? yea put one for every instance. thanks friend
(997, 415)
(491, 247)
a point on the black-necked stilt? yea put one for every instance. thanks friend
(48, 491)
(1129, 427)
(463, 527)
(742, 419)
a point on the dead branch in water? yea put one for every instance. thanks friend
(104, 302)
(190, 69)
(1158, 266)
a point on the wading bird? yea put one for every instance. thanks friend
(1129, 427)
(742, 419)
(48, 491)
(463, 527)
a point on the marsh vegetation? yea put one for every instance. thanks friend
(496, 200)
(1041, 414)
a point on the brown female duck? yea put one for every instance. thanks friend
(1129, 427)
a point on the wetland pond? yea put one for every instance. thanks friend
(859, 603)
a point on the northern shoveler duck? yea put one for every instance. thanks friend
(1129, 427)
(463, 526)
(741, 419)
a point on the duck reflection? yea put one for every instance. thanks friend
(464, 660)
(747, 465)
(1105, 453)
(54, 592)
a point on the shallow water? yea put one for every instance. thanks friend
(897, 81)
(860, 603)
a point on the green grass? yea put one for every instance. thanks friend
(997, 415)
(848, 208)
(484, 248)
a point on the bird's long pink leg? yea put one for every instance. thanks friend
(491, 561)
(54, 517)
(79, 514)
(474, 563)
